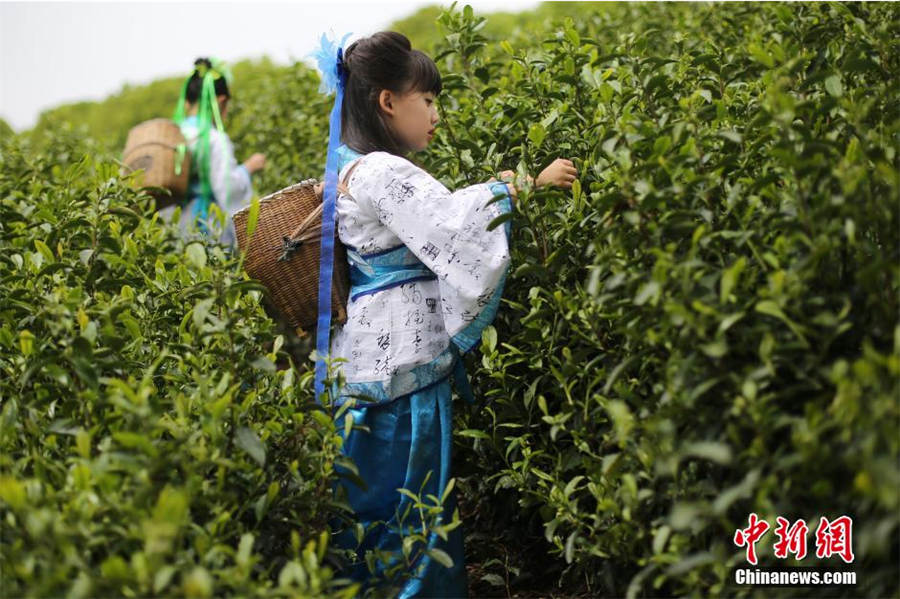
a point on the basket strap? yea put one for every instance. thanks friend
(342, 186)
(316, 214)
(311, 218)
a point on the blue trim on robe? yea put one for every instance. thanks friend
(397, 256)
(388, 269)
(390, 281)
(402, 383)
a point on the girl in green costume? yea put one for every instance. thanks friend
(215, 178)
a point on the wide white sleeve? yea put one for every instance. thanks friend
(229, 180)
(448, 232)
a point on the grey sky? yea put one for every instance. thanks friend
(53, 53)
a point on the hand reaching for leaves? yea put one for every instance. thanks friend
(255, 163)
(560, 173)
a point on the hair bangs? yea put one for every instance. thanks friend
(423, 74)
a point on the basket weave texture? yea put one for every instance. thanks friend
(283, 254)
(153, 146)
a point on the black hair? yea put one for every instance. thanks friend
(384, 60)
(195, 83)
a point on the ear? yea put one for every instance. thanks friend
(385, 101)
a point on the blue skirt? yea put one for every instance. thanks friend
(407, 438)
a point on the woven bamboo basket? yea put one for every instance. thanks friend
(153, 147)
(283, 254)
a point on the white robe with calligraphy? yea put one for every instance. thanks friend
(397, 340)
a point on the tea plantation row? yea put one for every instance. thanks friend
(705, 327)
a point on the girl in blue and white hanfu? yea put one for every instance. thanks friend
(426, 278)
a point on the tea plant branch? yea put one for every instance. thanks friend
(453, 141)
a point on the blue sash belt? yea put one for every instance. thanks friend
(372, 273)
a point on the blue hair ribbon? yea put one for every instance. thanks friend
(329, 58)
(330, 62)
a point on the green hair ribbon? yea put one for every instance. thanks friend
(207, 116)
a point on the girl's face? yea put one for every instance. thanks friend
(413, 116)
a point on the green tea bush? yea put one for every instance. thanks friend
(707, 325)
(148, 445)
